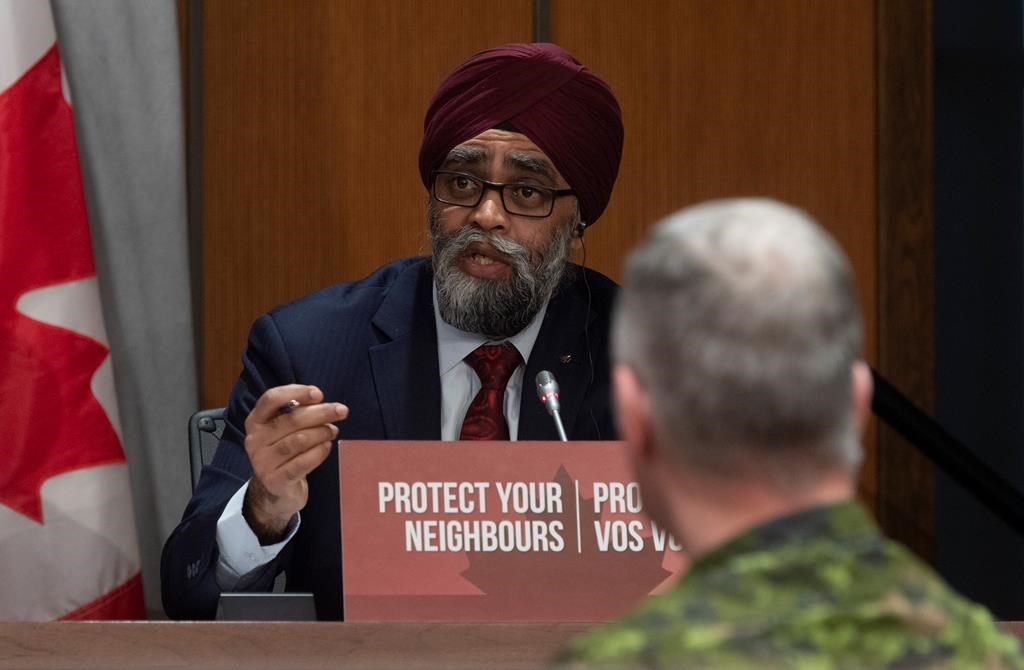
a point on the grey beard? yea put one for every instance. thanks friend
(495, 308)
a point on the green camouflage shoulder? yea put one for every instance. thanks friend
(820, 589)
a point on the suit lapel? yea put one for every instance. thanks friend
(404, 365)
(561, 349)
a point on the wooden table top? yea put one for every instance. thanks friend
(165, 645)
(278, 646)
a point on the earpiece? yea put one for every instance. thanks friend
(580, 227)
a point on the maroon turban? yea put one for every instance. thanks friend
(547, 95)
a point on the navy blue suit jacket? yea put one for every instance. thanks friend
(372, 345)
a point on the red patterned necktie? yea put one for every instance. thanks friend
(485, 419)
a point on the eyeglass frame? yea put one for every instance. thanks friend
(500, 188)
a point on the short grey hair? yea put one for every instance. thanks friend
(740, 317)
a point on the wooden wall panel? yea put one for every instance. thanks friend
(726, 98)
(906, 348)
(312, 121)
(312, 117)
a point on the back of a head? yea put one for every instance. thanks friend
(741, 320)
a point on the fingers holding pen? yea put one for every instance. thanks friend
(274, 401)
(284, 410)
(289, 433)
(287, 423)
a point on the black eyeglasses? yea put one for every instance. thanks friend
(465, 190)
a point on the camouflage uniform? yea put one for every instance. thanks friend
(819, 589)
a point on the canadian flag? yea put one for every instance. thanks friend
(68, 547)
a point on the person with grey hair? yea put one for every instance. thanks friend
(742, 395)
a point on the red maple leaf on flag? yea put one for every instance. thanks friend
(52, 421)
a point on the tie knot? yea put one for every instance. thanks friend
(494, 364)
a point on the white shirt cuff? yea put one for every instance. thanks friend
(241, 555)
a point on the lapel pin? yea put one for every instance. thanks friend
(565, 358)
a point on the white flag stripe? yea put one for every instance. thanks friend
(85, 546)
(26, 33)
(89, 535)
(98, 498)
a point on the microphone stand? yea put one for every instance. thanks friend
(558, 425)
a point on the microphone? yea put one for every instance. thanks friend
(547, 390)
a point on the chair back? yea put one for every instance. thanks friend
(204, 430)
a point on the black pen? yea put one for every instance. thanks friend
(288, 407)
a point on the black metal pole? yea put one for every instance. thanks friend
(954, 458)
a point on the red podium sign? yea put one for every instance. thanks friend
(496, 531)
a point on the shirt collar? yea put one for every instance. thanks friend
(453, 344)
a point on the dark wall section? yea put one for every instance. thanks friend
(979, 263)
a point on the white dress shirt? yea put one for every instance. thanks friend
(241, 555)
(459, 381)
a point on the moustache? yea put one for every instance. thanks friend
(515, 254)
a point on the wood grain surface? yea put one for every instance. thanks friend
(739, 98)
(313, 115)
(278, 646)
(906, 349)
(286, 646)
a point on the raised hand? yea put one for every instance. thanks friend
(287, 434)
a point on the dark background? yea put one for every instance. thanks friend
(979, 284)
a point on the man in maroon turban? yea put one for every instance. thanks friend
(521, 147)
(544, 93)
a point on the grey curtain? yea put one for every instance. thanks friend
(123, 68)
